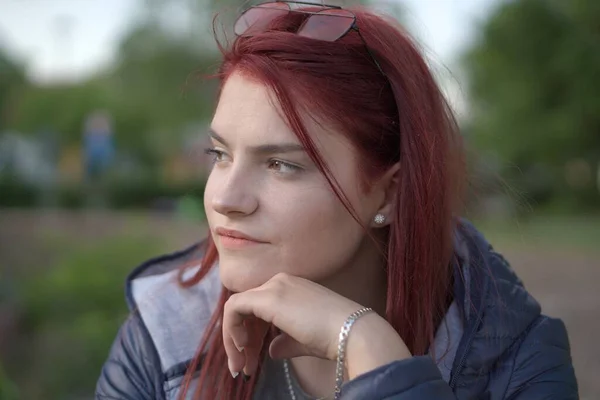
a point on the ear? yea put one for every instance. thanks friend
(388, 186)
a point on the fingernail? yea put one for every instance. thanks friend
(246, 377)
(234, 374)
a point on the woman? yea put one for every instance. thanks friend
(335, 265)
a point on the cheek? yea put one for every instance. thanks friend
(321, 236)
(209, 190)
(312, 235)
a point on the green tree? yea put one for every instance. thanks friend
(62, 108)
(159, 75)
(12, 78)
(157, 88)
(534, 91)
(152, 92)
(8, 390)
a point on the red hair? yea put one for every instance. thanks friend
(400, 117)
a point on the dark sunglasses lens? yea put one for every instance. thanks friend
(328, 25)
(257, 19)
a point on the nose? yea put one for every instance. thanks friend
(235, 196)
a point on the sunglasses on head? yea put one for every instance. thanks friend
(328, 22)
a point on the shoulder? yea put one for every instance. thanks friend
(508, 335)
(174, 317)
(151, 352)
(497, 297)
(485, 265)
(542, 365)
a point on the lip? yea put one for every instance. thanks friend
(233, 238)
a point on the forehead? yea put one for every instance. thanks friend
(250, 115)
(247, 108)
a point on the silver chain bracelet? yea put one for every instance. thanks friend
(341, 356)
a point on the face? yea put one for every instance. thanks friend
(269, 208)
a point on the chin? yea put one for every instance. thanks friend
(238, 277)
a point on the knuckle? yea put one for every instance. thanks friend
(229, 304)
(279, 284)
(281, 277)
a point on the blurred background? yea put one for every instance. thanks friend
(103, 114)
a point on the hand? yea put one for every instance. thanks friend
(310, 317)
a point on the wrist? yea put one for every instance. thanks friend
(373, 343)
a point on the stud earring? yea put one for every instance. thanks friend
(379, 219)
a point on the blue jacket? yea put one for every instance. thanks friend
(495, 342)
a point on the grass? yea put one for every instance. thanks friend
(71, 311)
(580, 233)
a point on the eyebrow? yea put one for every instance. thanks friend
(263, 148)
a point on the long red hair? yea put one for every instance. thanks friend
(398, 117)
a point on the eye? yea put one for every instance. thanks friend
(283, 167)
(217, 155)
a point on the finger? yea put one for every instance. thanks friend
(238, 308)
(235, 338)
(257, 329)
(236, 359)
(284, 346)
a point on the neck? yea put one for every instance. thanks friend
(363, 281)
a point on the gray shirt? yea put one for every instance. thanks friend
(272, 384)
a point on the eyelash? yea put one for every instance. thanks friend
(214, 153)
(218, 153)
(292, 167)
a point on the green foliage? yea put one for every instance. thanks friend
(16, 193)
(158, 76)
(12, 78)
(144, 194)
(577, 234)
(157, 88)
(191, 208)
(60, 108)
(73, 310)
(8, 390)
(534, 87)
(117, 194)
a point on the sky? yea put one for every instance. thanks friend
(30, 29)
